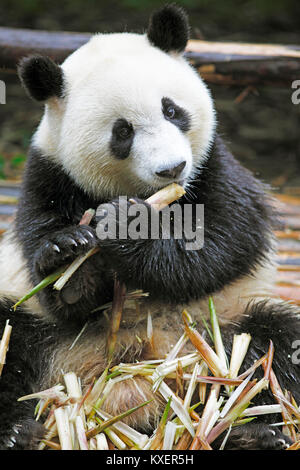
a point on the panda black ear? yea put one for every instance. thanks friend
(169, 29)
(41, 77)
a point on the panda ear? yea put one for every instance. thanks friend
(169, 29)
(41, 77)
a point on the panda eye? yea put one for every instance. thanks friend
(170, 112)
(175, 114)
(125, 132)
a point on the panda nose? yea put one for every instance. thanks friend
(171, 173)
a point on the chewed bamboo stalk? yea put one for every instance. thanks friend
(220, 350)
(74, 391)
(159, 432)
(202, 386)
(236, 410)
(101, 442)
(96, 391)
(239, 349)
(54, 393)
(63, 427)
(4, 344)
(166, 196)
(63, 279)
(191, 387)
(208, 414)
(213, 361)
(169, 436)
(167, 367)
(177, 406)
(150, 330)
(87, 217)
(262, 410)
(81, 435)
(234, 396)
(177, 348)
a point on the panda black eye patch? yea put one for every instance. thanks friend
(175, 114)
(121, 139)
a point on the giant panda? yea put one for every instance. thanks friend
(126, 114)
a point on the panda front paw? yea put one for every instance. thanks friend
(258, 436)
(123, 229)
(63, 247)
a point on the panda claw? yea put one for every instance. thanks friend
(56, 248)
(282, 442)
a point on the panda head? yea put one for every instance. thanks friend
(125, 114)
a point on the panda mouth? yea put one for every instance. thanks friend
(180, 181)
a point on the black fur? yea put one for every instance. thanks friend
(41, 77)
(237, 229)
(121, 139)
(181, 117)
(169, 29)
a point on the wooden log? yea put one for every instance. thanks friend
(245, 64)
(17, 43)
(221, 63)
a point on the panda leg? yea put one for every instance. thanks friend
(20, 376)
(279, 322)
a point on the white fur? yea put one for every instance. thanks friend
(122, 76)
(14, 279)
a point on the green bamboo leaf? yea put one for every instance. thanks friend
(103, 425)
(41, 285)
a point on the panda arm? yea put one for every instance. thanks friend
(50, 208)
(47, 228)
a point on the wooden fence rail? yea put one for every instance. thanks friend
(221, 63)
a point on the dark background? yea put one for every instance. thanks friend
(262, 129)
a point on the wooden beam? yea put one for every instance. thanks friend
(245, 64)
(17, 43)
(221, 63)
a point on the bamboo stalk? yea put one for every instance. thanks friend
(63, 427)
(116, 315)
(213, 361)
(4, 345)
